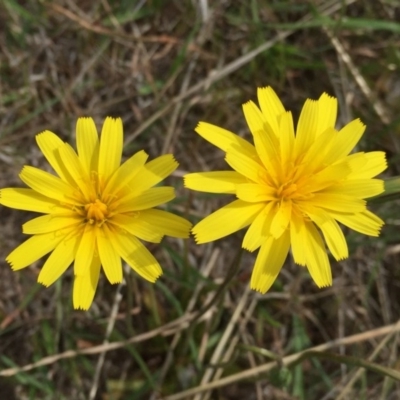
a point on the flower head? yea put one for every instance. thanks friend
(96, 209)
(291, 188)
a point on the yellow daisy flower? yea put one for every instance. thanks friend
(291, 188)
(96, 209)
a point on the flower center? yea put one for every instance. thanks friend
(96, 211)
(286, 191)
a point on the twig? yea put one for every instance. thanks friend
(253, 372)
(377, 105)
(110, 327)
(165, 330)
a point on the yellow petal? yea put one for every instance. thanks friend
(111, 142)
(48, 185)
(49, 143)
(85, 286)
(125, 173)
(214, 182)
(254, 117)
(80, 176)
(87, 142)
(319, 152)
(364, 222)
(297, 235)
(269, 262)
(359, 188)
(367, 165)
(346, 140)
(226, 220)
(316, 257)
(51, 223)
(332, 233)
(307, 126)
(286, 135)
(137, 226)
(270, 106)
(29, 200)
(335, 239)
(165, 223)
(337, 202)
(246, 166)
(154, 172)
(136, 256)
(254, 193)
(223, 138)
(109, 257)
(281, 219)
(327, 113)
(86, 250)
(59, 260)
(259, 229)
(329, 177)
(148, 199)
(32, 249)
(267, 146)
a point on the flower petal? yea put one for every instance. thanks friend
(327, 113)
(337, 202)
(245, 165)
(307, 126)
(297, 235)
(364, 222)
(258, 231)
(32, 249)
(48, 184)
(346, 140)
(109, 257)
(148, 199)
(223, 138)
(332, 233)
(269, 262)
(136, 255)
(51, 223)
(281, 219)
(80, 176)
(166, 223)
(49, 143)
(254, 117)
(85, 286)
(316, 257)
(111, 142)
(359, 188)
(286, 136)
(138, 227)
(154, 172)
(271, 106)
(226, 220)
(367, 165)
(254, 193)
(87, 142)
(29, 200)
(125, 173)
(59, 260)
(214, 182)
(86, 251)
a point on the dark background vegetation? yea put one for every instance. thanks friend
(163, 65)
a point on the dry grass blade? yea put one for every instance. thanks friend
(253, 372)
(168, 329)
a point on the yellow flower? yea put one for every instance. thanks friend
(96, 209)
(291, 188)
